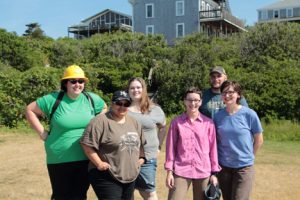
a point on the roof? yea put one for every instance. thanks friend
(86, 21)
(104, 12)
(281, 4)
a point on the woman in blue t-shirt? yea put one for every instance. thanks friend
(239, 136)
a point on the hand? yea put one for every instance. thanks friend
(103, 166)
(213, 180)
(44, 135)
(170, 180)
(157, 154)
(141, 161)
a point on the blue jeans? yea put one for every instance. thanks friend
(146, 179)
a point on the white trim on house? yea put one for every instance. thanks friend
(180, 32)
(179, 8)
(149, 29)
(149, 14)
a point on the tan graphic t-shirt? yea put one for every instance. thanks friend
(120, 145)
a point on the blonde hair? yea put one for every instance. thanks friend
(145, 103)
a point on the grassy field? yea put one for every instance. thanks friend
(23, 173)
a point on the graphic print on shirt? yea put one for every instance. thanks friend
(130, 141)
(215, 106)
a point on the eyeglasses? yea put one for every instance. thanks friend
(193, 100)
(230, 93)
(124, 104)
(74, 81)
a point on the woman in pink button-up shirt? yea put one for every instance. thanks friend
(191, 150)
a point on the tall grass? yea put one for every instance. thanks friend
(276, 130)
(281, 130)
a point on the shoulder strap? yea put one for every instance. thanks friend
(56, 104)
(88, 96)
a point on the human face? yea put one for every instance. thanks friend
(192, 102)
(230, 96)
(216, 80)
(75, 86)
(120, 108)
(135, 90)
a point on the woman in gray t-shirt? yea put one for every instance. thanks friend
(152, 119)
(114, 144)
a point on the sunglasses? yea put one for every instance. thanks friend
(74, 81)
(120, 103)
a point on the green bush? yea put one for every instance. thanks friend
(264, 60)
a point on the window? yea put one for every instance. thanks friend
(276, 14)
(202, 6)
(149, 10)
(179, 8)
(149, 29)
(289, 12)
(179, 30)
(264, 15)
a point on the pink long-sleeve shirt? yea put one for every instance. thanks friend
(191, 147)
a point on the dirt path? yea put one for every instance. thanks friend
(23, 173)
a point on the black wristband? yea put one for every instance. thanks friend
(214, 173)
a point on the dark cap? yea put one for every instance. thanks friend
(217, 69)
(120, 95)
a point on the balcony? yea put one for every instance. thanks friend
(220, 21)
(87, 30)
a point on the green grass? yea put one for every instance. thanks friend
(277, 130)
(282, 130)
(272, 153)
(22, 128)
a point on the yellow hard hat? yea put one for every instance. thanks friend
(74, 71)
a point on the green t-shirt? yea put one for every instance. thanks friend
(67, 125)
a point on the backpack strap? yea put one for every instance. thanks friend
(60, 97)
(88, 96)
(56, 104)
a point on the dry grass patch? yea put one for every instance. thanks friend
(23, 172)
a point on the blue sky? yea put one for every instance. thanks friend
(55, 16)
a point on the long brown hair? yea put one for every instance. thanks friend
(145, 103)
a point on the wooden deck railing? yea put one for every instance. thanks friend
(222, 15)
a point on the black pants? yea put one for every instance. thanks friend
(69, 181)
(107, 187)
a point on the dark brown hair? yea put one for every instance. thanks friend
(236, 87)
(193, 90)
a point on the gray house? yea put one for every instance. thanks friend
(104, 21)
(177, 18)
(280, 11)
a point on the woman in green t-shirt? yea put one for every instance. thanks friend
(69, 111)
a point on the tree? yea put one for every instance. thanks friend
(34, 31)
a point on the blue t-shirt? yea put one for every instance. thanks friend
(235, 136)
(212, 103)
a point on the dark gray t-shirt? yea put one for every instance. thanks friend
(120, 145)
(149, 122)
